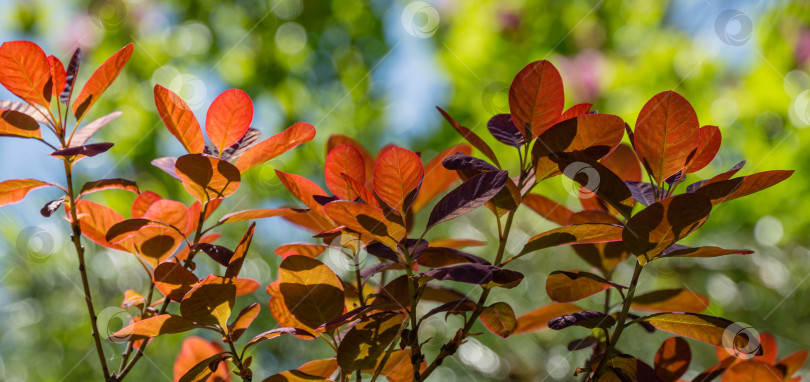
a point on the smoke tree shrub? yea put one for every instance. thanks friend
(368, 315)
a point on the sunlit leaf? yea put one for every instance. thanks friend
(708, 329)
(173, 280)
(337, 140)
(437, 178)
(672, 359)
(100, 80)
(397, 177)
(623, 162)
(723, 191)
(708, 146)
(17, 124)
(301, 249)
(536, 97)
(752, 371)
(107, 184)
(152, 327)
(238, 258)
(207, 178)
(243, 320)
(209, 302)
(574, 234)
(499, 318)
(196, 359)
(24, 71)
(95, 220)
(667, 300)
(548, 208)
(38, 113)
(228, 118)
(57, 75)
(564, 286)
(273, 333)
(793, 362)
(344, 160)
(538, 319)
(365, 342)
(15, 190)
(298, 133)
(179, 119)
(312, 293)
(367, 220)
(357, 188)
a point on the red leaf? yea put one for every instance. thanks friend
(471, 137)
(623, 162)
(298, 133)
(368, 160)
(196, 350)
(17, 124)
(303, 189)
(256, 214)
(95, 220)
(397, 177)
(24, 71)
(367, 220)
(723, 191)
(142, 202)
(243, 320)
(228, 118)
(672, 359)
(179, 119)
(575, 111)
(344, 159)
(100, 80)
(15, 190)
(536, 97)
(548, 208)
(356, 188)
(708, 146)
(57, 76)
(666, 134)
(437, 178)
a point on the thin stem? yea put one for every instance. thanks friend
(416, 354)
(621, 319)
(77, 243)
(236, 360)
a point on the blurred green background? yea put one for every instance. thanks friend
(374, 70)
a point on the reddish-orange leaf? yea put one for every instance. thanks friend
(228, 118)
(313, 221)
(209, 302)
(273, 333)
(499, 318)
(548, 208)
(366, 220)
(323, 367)
(769, 349)
(195, 350)
(536, 97)
(152, 327)
(708, 329)
(575, 111)
(25, 71)
(301, 249)
(58, 80)
(243, 320)
(752, 371)
(564, 286)
(538, 319)
(312, 293)
(179, 119)
(245, 286)
(666, 134)
(207, 178)
(170, 212)
(623, 162)
(344, 159)
(173, 280)
(182, 255)
(671, 300)
(708, 146)
(397, 177)
(15, 190)
(303, 189)
(17, 124)
(131, 298)
(437, 178)
(672, 359)
(734, 188)
(95, 220)
(257, 214)
(792, 363)
(155, 243)
(574, 234)
(298, 133)
(142, 203)
(368, 160)
(593, 134)
(357, 188)
(471, 137)
(238, 258)
(456, 243)
(107, 184)
(663, 223)
(279, 310)
(100, 80)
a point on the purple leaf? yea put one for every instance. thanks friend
(723, 176)
(588, 319)
(452, 307)
(504, 130)
(219, 253)
(323, 199)
(465, 273)
(461, 161)
(167, 165)
(415, 247)
(70, 76)
(234, 151)
(82, 135)
(90, 150)
(642, 192)
(468, 196)
(435, 257)
(582, 343)
(51, 207)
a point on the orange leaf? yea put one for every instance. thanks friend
(666, 134)
(623, 162)
(708, 146)
(179, 119)
(792, 363)
(564, 286)
(575, 111)
(703, 252)
(344, 159)
(228, 118)
(17, 124)
(257, 214)
(278, 308)
(398, 367)
(25, 71)
(245, 286)
(769, 349)
(15, 190)
(152, 327)
(173, 280)
(301, 249)
(499, 318)
(538, 319)
(548, 208)
(95, 220)
(397, 177)
(368, 161)
(357, 188)
(672, 359)
(58, 80)
(365, 342)
(668, 300)
(100, 80)
(312, 293)
(142, 202)
(437, 178)
(170, 212)
(298, 133)
(574, 234)
(209, 302)
(243, 321)
(195, 350)
(456, 243)
(367, 220)
(723, 191)
(207, 178)
(303, 189)
(238, 258)
(714, 331)
(752, 371)
(106, 184)
(536, 97)
(471, 137)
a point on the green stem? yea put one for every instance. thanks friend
(620, 320)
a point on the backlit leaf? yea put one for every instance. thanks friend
(499, 318)
(536, 97)
(667, 300)
(367, 220)
(90, 150)
(235, 264)
(344, 160)
(504, 130)
(708, 329)
(538, 319)
(36, 112)
(363, 345)
(15, 190)
(337, 140)
(623, 162)
(84, 133)
(257, 214)
(793, 362)
(95, 220)
(397, 177)
(723, 191)
(24, 71)
(575, 111)
(179, 119)
(564, 286)
(597, 179)
(273, 333)
(207, 178)
(100, 80)
(70, 76)
(243, 320)
(672, 359)
(17, 124)
(303, 189)
(196, 357)
(301, 249)
(574, 234)
(752, 371)
(468, 196)
(152, 327)
(57, 76)
(547, 208)
(708, 146)
(357, 188)
(437, 178)
(107, 184)
(298, 133)
(312, 293)
(666, 134)
(209, 302)
(173, 280)
(228, 118)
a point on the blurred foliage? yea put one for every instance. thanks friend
(348, 67)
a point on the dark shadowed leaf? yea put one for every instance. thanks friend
(173, 280)
(471, 137)
(207, 178)
(49, 208)
(70, 76)
(574, 234)
(90, 150)
(504, 130)
(218, 253)
(681, 251)
(642, 192)
(461, 161)
(723, 191)
(367, 220)
(588, 319)
(38, 113)
(468, 196)
(235, 262)
(597, 179)
(106, 184)
(623, 162)
(452, 307)
(435, 257)
(672, 359)
(203, 370)
(234, 151)
(437, 178)
(536, 97)
(717, 178)
(270, 334)
(311, 292)
(582, 343)
(708, 146)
